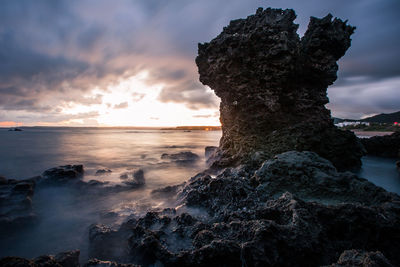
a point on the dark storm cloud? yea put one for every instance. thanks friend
(52, 53)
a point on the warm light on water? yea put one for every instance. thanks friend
(65, 214)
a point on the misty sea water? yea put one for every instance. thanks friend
(64, 214)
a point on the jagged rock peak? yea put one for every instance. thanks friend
(273, 87)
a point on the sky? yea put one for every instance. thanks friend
(131, 62)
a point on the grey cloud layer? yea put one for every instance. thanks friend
(52, 53)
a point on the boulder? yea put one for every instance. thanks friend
(359, 258)
(181, 158)
(63, 259)
(137, 181)
(383, 146)
(209, 150)
(273, 88)
(99, 263)
(62, 174)
(103, 172)
(16, 204)
(295, 210)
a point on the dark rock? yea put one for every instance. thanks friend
(362, 259)
(46, 261)
(16, 262)
(62, 174)
(123, 176)
(273, 87)
(99, 263)
(182, 158)
(16, 204)
(138, 179)
(68, 259)
(295, 210)
(168, 191)
(64, 259)
(3, 180)
(209, 150)
(103, 171)
(383, 146)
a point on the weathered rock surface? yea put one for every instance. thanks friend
(360, 258)
(209, 150)
(99, 263)
(62, 174)
(295, 210)
(64, 259)
(183, 158)
(272, 86)
(383, 146)
(103, 172)
(16, 203)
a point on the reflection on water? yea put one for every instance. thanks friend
(65, 213)
(382, 172)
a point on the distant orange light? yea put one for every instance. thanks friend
(7, 123)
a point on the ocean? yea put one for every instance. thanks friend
(65, 214)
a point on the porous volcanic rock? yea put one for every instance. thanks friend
(16, 203)
(295, 210)
(273, 87)
(359, 258)
(63, 259)
(62, 174)
(383, 146)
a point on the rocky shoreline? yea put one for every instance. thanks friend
(276, 192)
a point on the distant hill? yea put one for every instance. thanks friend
(380, 118)
(384, 118)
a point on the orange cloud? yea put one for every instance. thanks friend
(7, 123)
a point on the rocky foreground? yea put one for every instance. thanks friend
(277, 198)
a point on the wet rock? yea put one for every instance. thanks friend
(137, 181)
(295, 210)
(123, 176)
(361, 259)
(68, 259)
(64, 259)
(16, 204)
(107, 244)
(103, 172)
(139, 177)
(99, 263)
(182, 158)
(311, 177)
(62, 174)
(3, 180)
(383, 146)
(16, 262)
(272, 86)
(209, 150)
(168, 191)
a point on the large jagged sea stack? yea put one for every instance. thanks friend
(273, 87)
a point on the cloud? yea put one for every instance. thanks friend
(121, 105)
(136, 97)
(365, 97)
(81, 48)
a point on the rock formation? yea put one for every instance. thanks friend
(273, 85)
(16, 203)
(383, 146)
(295, 210)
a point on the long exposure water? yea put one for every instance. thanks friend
(65, 214)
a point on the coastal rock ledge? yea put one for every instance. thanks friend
(273, 88)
